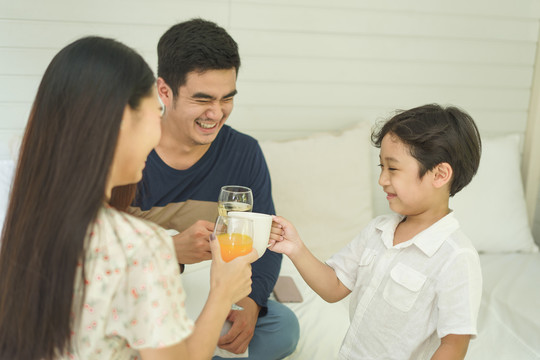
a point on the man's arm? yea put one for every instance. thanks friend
(266, 269)
(265, 274)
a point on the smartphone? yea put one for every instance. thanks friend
(286, 290)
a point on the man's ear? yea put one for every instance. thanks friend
(164, 92)
(442, 174)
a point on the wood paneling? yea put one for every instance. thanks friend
(308, 65)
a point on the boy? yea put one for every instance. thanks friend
(414, 276)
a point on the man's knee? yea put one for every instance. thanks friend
(285, 329)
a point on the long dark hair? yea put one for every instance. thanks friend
(59, 186)
(122, 196)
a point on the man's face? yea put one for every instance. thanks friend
(203, 105)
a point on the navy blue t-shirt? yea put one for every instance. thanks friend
(177, 198)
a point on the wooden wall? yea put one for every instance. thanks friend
(308, 65)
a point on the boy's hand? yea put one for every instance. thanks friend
(284, 237)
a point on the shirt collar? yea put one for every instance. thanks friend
(428, 241)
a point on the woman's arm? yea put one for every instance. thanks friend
(229, 282)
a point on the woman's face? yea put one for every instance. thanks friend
(140, 132)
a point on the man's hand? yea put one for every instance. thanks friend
(192, 244)
(237, 339)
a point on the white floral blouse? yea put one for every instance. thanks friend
(133, 294)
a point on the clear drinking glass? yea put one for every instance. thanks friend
(235, 236)
(234, 198)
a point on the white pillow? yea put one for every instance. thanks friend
(7, 169)
(491, 209)
(322, 185)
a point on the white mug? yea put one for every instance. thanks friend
(262, 224)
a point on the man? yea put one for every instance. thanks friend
(198, 65)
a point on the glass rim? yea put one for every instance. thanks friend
(235, 188)
(233, 217)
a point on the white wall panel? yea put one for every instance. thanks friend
(16, 89)
(500, 8)
(55, 35)
(389, 23)
(402, 96)
(308, 65)
(375, 47)
(155, 12)
(324, 70)
(288, 122)
(29, 61)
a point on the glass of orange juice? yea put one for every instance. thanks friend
(235, 236)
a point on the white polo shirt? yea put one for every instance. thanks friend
(406, 297)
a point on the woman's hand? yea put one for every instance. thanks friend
(232, 279)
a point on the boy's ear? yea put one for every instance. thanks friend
(442, 174)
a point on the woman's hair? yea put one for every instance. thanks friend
(436, 134)
(59, 186)
(122, 196)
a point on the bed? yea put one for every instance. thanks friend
(327, 185)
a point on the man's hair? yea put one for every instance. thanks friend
(195, 45)
(436, 134)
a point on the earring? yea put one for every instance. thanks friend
(162, 106)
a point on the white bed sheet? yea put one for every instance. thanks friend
(322, 325)
(509, 319)
(508, 322)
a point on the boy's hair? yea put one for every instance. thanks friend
(436, 134)
(194, 45)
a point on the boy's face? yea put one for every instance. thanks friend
(407, 193)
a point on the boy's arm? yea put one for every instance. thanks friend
(452, 347)
(319, 276)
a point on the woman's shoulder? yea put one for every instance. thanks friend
(126, 222)
(116, 228)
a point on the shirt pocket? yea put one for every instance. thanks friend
(403, 287)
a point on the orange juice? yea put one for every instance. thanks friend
(233, 245)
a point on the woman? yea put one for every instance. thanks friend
(80, 279)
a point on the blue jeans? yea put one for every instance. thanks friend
(276, 334)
